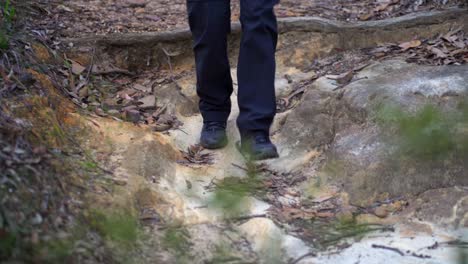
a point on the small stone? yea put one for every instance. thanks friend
(147, 102)
(139, 11)
(113, 112)
(381, 212)
(110, 103)
(133, 116)
(136, 3)
(127, 92)
(84, 92)
(100, 112)
(119, 182)
(37, 219)
(141, 88)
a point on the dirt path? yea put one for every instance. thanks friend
(338, 194)
(78, 18)
(201, 195)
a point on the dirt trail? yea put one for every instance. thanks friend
(328, 199)
(168, 192)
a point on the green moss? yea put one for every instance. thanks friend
(177, 240)
(57, 251)
(231, 193)
(429, 133)
(8, 242)
(89, 165)
(120, 227)
(9, 12)
(4, 40)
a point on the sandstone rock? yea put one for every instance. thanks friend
(172, 96)
(147, 102)
(381, 211)
(369, 166)
(447, 207)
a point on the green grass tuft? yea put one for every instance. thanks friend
(120, 227)
(428, 133)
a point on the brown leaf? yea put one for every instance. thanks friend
(382, 7)
(77, 68)
(410, 44)
(439, 53)
(365, 17)
(343, 78)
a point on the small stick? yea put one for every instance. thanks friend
(310, 254)
(396, 250)
(238, 166)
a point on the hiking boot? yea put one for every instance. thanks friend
(257, 147)
(213, 135)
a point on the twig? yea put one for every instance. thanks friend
(310, 254)
(18, 82)
(115, 70)
(159, 111)
(396, 250)
(182, 131)
(91, 65)
(168, 55)
(247, 217)
(239, 166)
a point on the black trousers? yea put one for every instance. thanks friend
(210, 25)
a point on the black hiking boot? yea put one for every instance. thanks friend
(213, 135)
(257, 147)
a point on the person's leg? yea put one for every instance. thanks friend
(210, 22)
(256, 67)
(256, 78)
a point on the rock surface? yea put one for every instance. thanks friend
(330, 135)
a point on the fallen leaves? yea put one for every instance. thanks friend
(196, 155)
(410, 44)
(447, 49)
(85, 17)
(381, 9)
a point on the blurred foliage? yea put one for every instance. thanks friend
(462, 256)
(8, 242)
(325, 233)
(120, 227)
(177, 240)
(8, 15)
(57, 250)
(4, 40)
(231, 193)
(223, 254)
(9, 12)
(429, 133)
